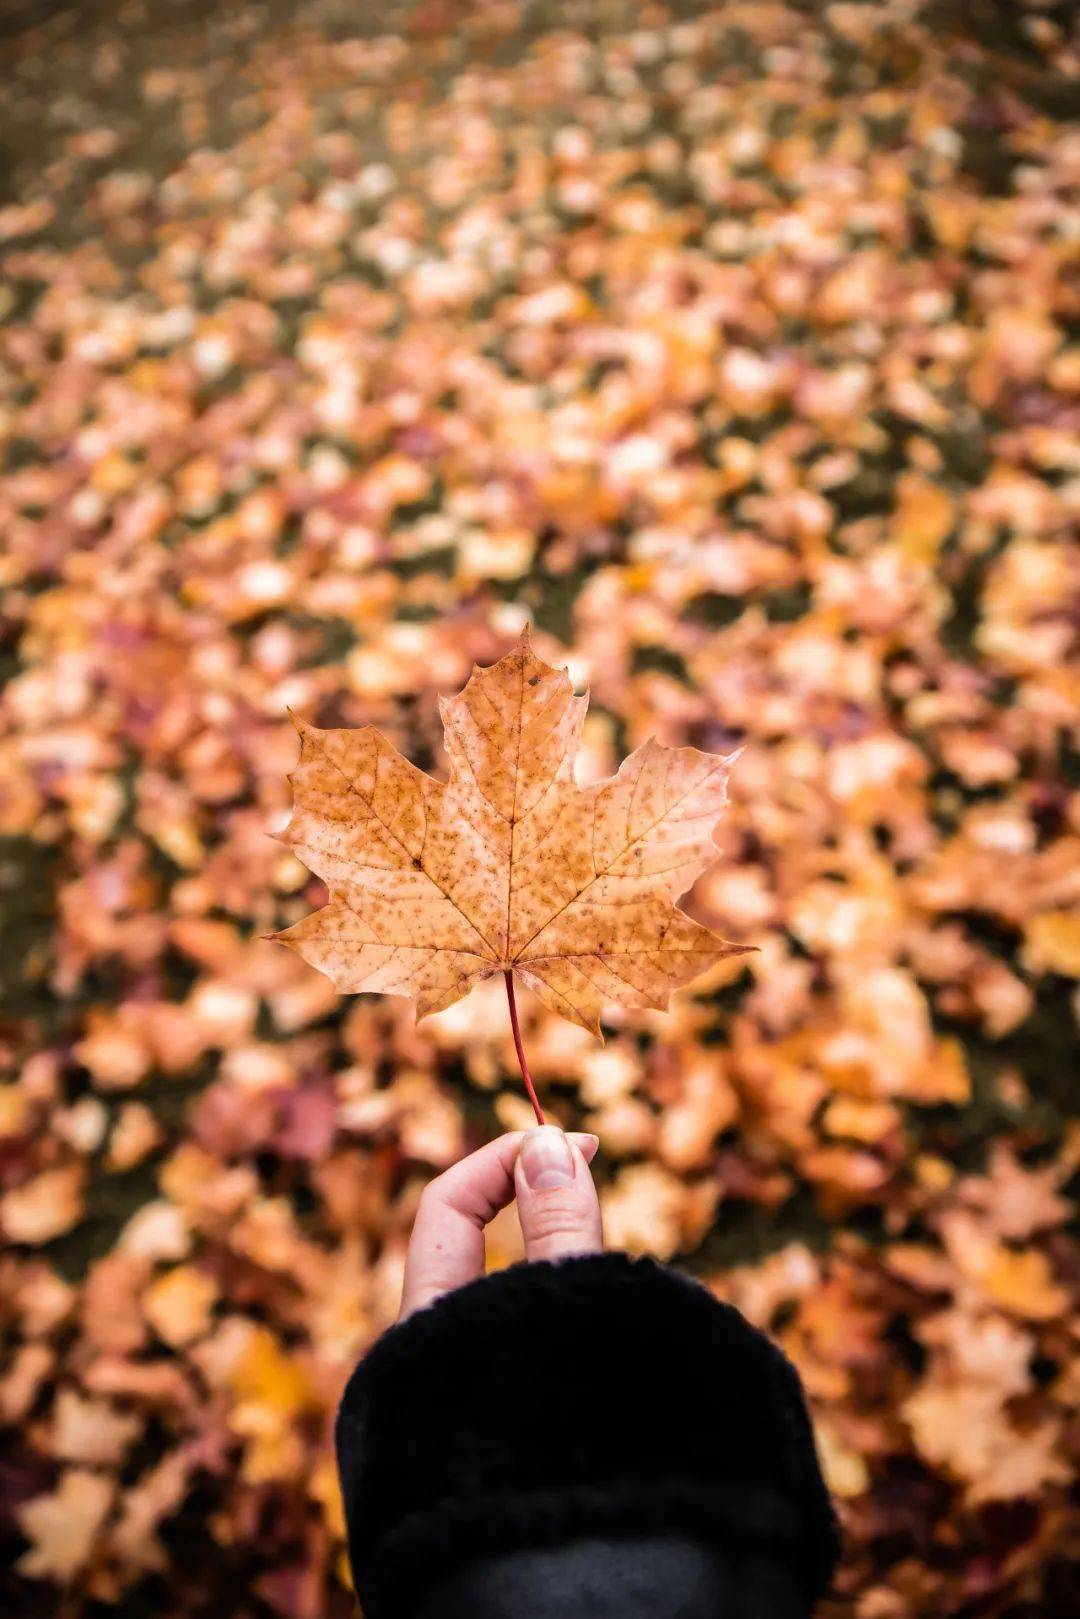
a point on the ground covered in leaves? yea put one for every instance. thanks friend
(730, 346)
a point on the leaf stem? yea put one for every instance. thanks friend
(519, 1048)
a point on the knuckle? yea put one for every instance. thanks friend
(557, 1217)
(433, 1196)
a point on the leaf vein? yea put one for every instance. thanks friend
(355, 789)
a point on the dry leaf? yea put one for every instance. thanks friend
(1052, 943)
(271, 1390)
(45, 1207)
(509, 866)
(22, 1380)
(964, 1428)
(179, 1304)
(643, 1210)
(1014, 1201)
(145, 1505)
(92, 1432)
(63, 1527)
(1020, 1281)
(758, 392)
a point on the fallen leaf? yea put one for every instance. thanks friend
(179, 1304)
(91, 1432)
(22, 1380)
(145, 1505)
(135, 1134)
(45, 1207)
(643, 1210)
(1020, 1281)
(271, 1390)
(1052, 943)
(846, 1472)
(738, 360)
(964, 1428)
(1014, 1201)
(63, 1527)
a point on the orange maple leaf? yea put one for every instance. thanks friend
(508, 866)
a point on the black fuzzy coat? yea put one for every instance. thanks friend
(598, 1435)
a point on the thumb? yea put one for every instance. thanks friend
(556, 1199)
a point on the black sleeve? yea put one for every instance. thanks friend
(602, 1400)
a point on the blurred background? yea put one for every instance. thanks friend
(729, 345)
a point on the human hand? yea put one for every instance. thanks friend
(548, 1173)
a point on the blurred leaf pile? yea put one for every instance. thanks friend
(728, 344)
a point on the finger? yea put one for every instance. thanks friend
(556, 1199)
(446, 1248)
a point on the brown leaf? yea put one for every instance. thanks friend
(964, 1428)
(1020, 1281)
(179, 1304)
(509, 865)
(63, 1527)
(22, 1380)
(45, 1207)
(1014, 1201)
(92, 1432)
(154, 1498)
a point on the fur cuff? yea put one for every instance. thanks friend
(602, 1395)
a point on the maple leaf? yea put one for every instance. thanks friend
(63, 1527)
(508, 866)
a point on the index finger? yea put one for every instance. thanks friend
(446, 1248)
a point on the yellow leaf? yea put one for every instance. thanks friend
(178, 1305)
(271, 1391)
(1024, 1283)
(266, 1376)
(326, 1490)
(923, 518)
(858, 1119)
(14, 1111)
(1019, 1280)
(944, 1078)
(1052, 943)
(846, 1473)
(114, 474)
